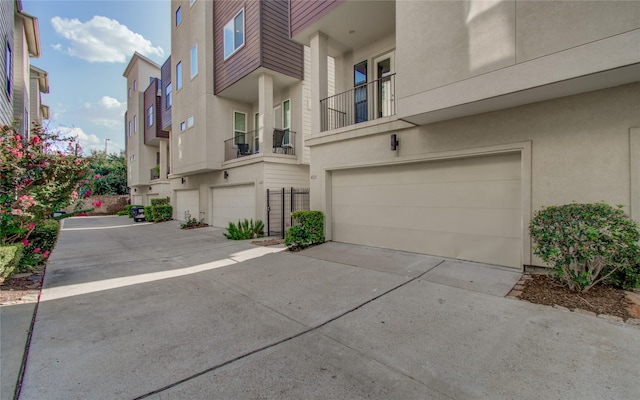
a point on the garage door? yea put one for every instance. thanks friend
(187, 200)
(465, 208)
(136, 200)
(233, 203)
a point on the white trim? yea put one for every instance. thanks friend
(233, 126)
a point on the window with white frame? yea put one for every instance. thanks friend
(167, 92)
(194, 60)
(135, 123)
(256, 132)
(239, 128)
(150, 116)
(179, 75)
(286, 121)
(135, 85)
(8, 68)
(189, 122)
(183, 126)
(234, 34)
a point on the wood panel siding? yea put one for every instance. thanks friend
(279, 52)
(151, 98)
(165, 76)
(6, 39)
(306, 12)
(267, 42)
(244, 60)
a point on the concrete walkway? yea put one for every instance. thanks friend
(151, 311)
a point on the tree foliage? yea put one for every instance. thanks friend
(107, 175)
(38, 176)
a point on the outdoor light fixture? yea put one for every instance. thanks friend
(183, 180)
(135, 189)
(226, 174)
(394, 142)
(150, 188)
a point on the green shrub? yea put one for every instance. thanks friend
(308, 231)
(587, 244)
(45, 235)
(246, 229)
(128, 208)
(10, 256)
(190, 222)
(163, 213)
(164, 201)
(123, 212)
(150, 213)
(74, 213)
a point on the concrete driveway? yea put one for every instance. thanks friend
(151, 311)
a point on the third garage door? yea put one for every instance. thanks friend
(463, 208)
(233, 203)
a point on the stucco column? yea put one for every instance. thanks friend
(265, 108)
(319, 84)
(634, 182)
(164, 159)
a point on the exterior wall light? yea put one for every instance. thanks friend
(394, 142)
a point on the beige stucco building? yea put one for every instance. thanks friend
(498, 108)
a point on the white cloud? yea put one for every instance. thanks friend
(107, 112)
(102, 39)
(57, 46)
(88, 141)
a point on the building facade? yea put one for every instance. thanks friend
(457, 120)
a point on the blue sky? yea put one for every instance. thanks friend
(86, 45)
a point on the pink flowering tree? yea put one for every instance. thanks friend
(38, 176)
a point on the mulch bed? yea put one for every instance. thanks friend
(15, 289)
(600, 299)
(268, 242)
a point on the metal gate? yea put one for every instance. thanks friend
(280, 204)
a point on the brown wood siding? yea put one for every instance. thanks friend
(279, 52)
(165, 75)
(246, 59)
(306, 12)
(151, 98)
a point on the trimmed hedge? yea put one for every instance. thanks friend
(164, 201)
(10, 256)
(149, 213)
(45, 235)
(309, 230)
(162, 213)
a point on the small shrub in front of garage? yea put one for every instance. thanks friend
(163, 201)
(150, 213)
(246, 229)
(308, 231)
(10, 256)
(587, 244)
(190, 222)
(162, 213)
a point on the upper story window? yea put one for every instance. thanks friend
(194, 60)
(189, 122)
(150, 116)
(129, 92)
(234, 34)
(191, 2)
(179, 75)
(8, 63)
(129, 130)
(135, 85)
(135, 124)
(178, 16)
(167, 97)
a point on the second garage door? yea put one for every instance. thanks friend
(231, 204)
(467, 208)
(187, 200)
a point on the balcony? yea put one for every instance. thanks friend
(248, 144)
(366, 102)
(154, 173)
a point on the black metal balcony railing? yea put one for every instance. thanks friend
(366, 102)
(247, 144)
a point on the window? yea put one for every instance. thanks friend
(150, 116)
(191, 2)
(256, 134)
(286, 121)
(239, 127)
(129, 92)
(179, 75)
(8, 67)
(135, 85)
(135, 124)
(183, 126)
(234, 34)
(178, 16)
(167, 92)
(189, 122)
(359, 81)
(194, 60)
(132, 157)
(129, 130)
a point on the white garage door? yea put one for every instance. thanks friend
(136, 200)
(187, 200)
(465, 208)
(233, 203)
